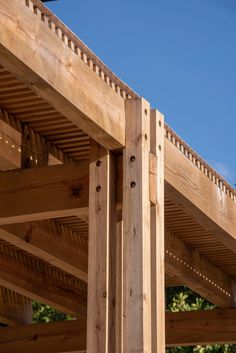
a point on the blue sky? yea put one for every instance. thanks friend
(178, 54)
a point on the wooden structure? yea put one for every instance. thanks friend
(102, 205)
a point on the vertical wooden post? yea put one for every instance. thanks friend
(119, 287)
(157, 232)
(102, 227)
(136, 218)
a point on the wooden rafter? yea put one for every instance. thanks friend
(35, 279)
(15, 309)
(195, 193)
(197, 272)
(51, 242)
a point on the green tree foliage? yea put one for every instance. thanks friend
(44, 313)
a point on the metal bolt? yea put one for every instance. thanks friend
(132, 159)
(132, 184)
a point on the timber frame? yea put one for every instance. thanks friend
(102, 205)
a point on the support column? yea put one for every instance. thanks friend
(102, 238)
(119, 286)
(157, 232)
(136, 217)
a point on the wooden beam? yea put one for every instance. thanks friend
(102, 236)
(42, 193)
(182, 329)
(51, 243)
(197, 272)
(136, 218)
(198, 196)
(68, 84)
(15, 309)
(29, 277)
(157, 232)
(201, 327)
(56, 337)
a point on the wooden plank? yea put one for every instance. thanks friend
(197, 272)
(157, 232)
(68, 84)
(37, 281)
(136, 218)
(182, 329)
(49, 242)
(201, 327)
(42, 193)
(199, 197)
(56, 337)
(15, 309)
(102, 223)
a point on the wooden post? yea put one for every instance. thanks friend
(136, 218)
(102, 228)
(119, 287)
(157, 232)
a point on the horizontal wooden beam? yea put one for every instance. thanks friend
(197, 272)
(196, 194)
(36, 280)
(72, 87)
(56, 337)
(43, 193)
(182, 329)
(50, 242)
(201, 327)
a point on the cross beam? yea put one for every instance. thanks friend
(182, 329)
(43, 193)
